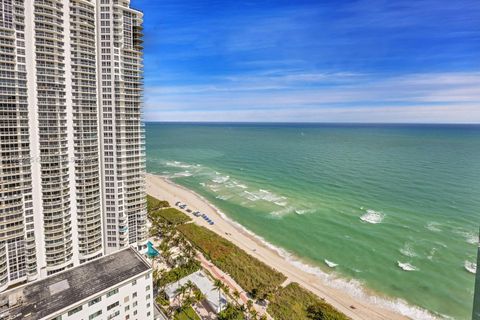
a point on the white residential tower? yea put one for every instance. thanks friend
(71, 139)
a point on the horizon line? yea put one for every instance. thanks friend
(313, 122)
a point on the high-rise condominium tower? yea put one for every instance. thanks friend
(71, 139)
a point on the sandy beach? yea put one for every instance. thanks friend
(164, 189)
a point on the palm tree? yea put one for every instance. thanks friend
(190, 286)
(236, 295)
(198, 295)
(249, 304)
(226, 289)
(218, 285)
(181, 291)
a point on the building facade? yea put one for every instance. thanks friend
(71, 138)
(115, 291)
(123, 151)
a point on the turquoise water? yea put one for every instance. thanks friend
(395, 207)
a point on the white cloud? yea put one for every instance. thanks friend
(276, 96)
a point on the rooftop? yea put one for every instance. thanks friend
(204, 284)
(42, 298)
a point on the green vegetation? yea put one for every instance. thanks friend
(178, 273)
(171, 215)
(295, 302)
(231, 312)
(255, 277)
(154, 203)
(187, 314)
(251, 274)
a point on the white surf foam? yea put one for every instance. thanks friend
(303, 211)
(221, 179)
(408, 251)
(282, 212)
(406, 266)
(432, 253)
(181, 174)
(470, 266)
(178, 164)
(433, 226)
(373, 217)
(471, 238)
(352, 287)
(330, 263)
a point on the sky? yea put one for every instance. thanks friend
(415, 61)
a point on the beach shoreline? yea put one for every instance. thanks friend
(365, 306)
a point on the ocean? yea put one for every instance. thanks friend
(388, 212)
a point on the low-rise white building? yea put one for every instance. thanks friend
(116, 286)
(205, 285)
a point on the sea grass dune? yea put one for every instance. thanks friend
(379, 215)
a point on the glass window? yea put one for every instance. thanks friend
(73, 311)
(94, 315)
(94, 301)
(111, 293)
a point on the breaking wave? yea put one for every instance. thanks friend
(470, 267)
(372, 217)
(433, 226)
(408, 251)
(406, 266)
(330, 263)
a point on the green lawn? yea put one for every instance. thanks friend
(171, 215)
(187, 314)
(251, 274)
(293, 302)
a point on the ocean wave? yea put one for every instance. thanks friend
(406, 266)
(352, 287)
(433, 226)
(470, 236)
(240, 185)
(470, 266)
(408, 251)
(330, 263)
(221, 179)
(178, 164)
(432, 253)
(181, 174)
(303, 211)
(373, 217)
(282, 212)
(224, 198)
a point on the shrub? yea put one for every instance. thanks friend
(251, 274)
(171, 215)
(295, 302)
(154, 204)
(231, 313)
